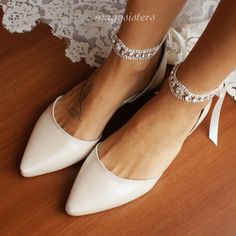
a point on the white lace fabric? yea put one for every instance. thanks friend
(90, 39)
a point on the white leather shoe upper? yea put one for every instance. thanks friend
(97, 189)
(50, 148)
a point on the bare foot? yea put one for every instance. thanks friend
(149, 142)
(85, 110)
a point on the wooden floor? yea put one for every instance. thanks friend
(196, 196)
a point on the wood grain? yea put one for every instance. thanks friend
(195, 197)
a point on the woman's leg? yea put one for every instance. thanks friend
(85, 110)
(214, 56)
(160, 127)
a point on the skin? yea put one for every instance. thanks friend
(159, 128)
(76, 107)
(117, 79)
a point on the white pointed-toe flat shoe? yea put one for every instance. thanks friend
(97, 189)
(50, 148)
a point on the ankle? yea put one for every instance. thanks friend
(181, 107)
(135, 68)
(194, 80)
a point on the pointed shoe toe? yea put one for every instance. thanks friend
(50, 148)
(97, 189)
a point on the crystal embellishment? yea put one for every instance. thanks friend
(182, 93)
(124, 52)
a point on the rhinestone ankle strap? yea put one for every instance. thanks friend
(182, 93)
(124, 52)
